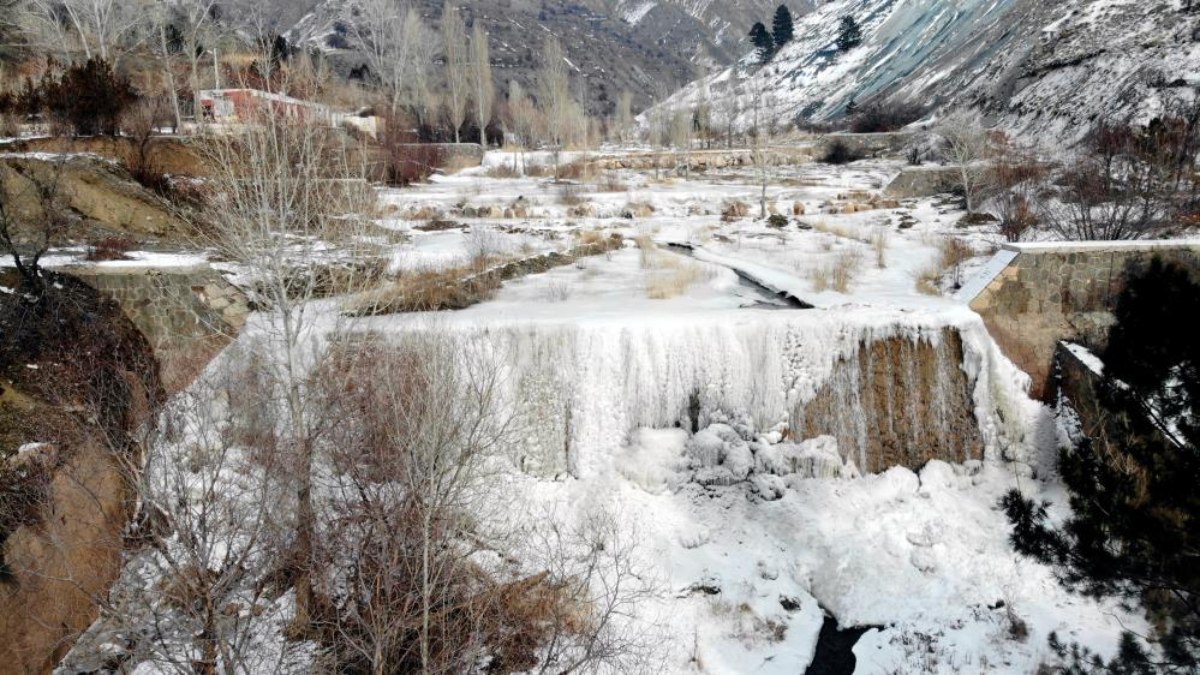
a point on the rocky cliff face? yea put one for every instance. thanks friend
(1047, 70)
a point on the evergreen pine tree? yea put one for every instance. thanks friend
(849, 34)
(764, 45)
(1135, 523)
(782, 27)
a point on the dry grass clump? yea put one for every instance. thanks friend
(839, 274)
(674, 279)
(610, 181)
(879, 244)
(670, 275)
(836, 230)
(504, 170)
(927, 281)
(952, 253)
(592, 236)
(571, 195)
(430, 290)
(580, 169)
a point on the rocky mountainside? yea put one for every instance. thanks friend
(1046, 69)
(649, 47)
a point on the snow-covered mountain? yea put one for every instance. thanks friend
(1044, 68)
(649, 47)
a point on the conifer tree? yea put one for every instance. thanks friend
(849, 34)
(764, 45)
(782, 27)
(1134, 529)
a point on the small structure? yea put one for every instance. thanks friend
(231, 106)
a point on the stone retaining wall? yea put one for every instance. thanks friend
(187, 313)
(1051, 292)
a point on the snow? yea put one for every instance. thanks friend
(670, 414)
(986, 275)
(1077, 61)
(1086, 357)
(922, 554)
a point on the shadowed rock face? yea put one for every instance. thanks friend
(77, 381)
(897, 402)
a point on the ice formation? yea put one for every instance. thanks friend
(891, 387)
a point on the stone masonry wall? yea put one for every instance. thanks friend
(188, 314)
(1063, 291)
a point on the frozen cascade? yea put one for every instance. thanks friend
(892, 388)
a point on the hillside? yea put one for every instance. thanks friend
(645, 46)
(1045, 69)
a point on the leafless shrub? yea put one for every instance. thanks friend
(558, 290)
(1015, 176)
(483, 244)
(571, 195)
(1129, 182)
(881, 118)
(592, 562)
(109, 248)
(839, 152)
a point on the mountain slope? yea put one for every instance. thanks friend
(1049, 69)
(648, 47)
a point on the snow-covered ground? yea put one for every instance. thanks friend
(742, 571)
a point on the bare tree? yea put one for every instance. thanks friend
(458, 84)
(759, 153)
(624, 118)
(481, 79)
(681, 139)
(289, 205)
(396, 44)
(522, 120)
(99, 25)
(195, 28)
(419, 420)
(965, 146)
(554, 96)
(160, 19)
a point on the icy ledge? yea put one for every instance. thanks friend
(577, 390)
